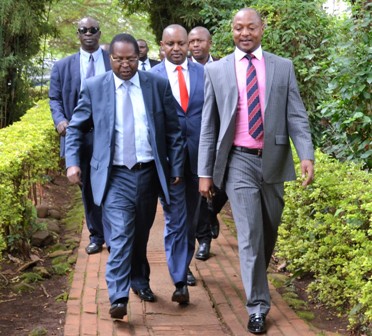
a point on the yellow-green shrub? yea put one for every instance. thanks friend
(28, 150)
(326, 231)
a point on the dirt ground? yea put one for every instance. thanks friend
(37, 308)
(38, 311)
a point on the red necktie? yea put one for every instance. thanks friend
(254, 109)
(184, 95)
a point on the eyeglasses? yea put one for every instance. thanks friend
(121, 61)
(84, 30)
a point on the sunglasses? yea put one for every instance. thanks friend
(92, 30)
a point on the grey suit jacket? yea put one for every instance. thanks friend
(285, 118)
(96, 109)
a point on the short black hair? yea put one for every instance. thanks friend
(125, 38)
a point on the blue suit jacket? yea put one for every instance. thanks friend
(64, 88)
(191, 120)
(96, 109)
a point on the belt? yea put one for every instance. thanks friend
(138, 165)
(253, 151)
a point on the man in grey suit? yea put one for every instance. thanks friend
(137, 150)
(249, 160)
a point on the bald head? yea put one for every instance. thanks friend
(89, 34)
(248, 30)
(200, 43)
(175, 44)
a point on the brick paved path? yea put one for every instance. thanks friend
(217, 302)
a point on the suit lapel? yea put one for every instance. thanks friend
(231, 81)
(76, 72)
(147, 94)
(270, 68)
(110, 109)
(193, 79)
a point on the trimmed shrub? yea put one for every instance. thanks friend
(28, 149)
(326, 232)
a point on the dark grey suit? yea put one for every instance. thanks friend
(253, 184)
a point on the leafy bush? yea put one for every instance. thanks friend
(326, 231)
(347, 113)
(28, 149)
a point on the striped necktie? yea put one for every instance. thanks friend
(254, 109)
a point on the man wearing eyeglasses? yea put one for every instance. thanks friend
(137, 153)
(66, 81)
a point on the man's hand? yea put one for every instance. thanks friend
(206, 187)
(61, 127)
(307, 170)
(74, 175)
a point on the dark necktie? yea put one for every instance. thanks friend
(129, 143)
(184, 95)
(254, 109)
(143, 66)
(90, 70)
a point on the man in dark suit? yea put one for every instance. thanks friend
(65, 84)
(208, 227)
(182, 212)
(145, 63)
(252, 109)
(137, 151)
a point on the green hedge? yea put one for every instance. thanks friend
(28, 150)
(326, 232)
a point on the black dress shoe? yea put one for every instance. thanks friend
(181, 295)
(118, 310)
(203, 251)
(215, 226)
(145, 294)
(257, 324)
(190, 278)
(93, 248)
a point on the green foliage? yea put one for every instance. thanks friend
(31, 277)
(326, 231)
(66, 14)
(19, 42)
(28, 150)
(347, 114)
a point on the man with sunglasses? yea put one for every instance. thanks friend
(66, 81)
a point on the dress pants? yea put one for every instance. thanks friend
(203, 230)
(257, 208)
(93, 212)
(129, 208)
(180, 218)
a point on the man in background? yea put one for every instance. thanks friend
(208, 227)
(66, 81)
(145, 63)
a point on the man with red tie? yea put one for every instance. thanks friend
(186, 81)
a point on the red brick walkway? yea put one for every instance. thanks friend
(217, 302)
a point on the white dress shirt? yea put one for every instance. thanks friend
(173, 78)
(141, 128)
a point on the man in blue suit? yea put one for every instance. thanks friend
(137, 151)
(65, 85)
(182, 213)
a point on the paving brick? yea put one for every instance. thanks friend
(217, 303)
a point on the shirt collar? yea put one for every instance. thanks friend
(239, 54)
(172, 67)
(210, 59)
(134, 80)
(86, 54)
